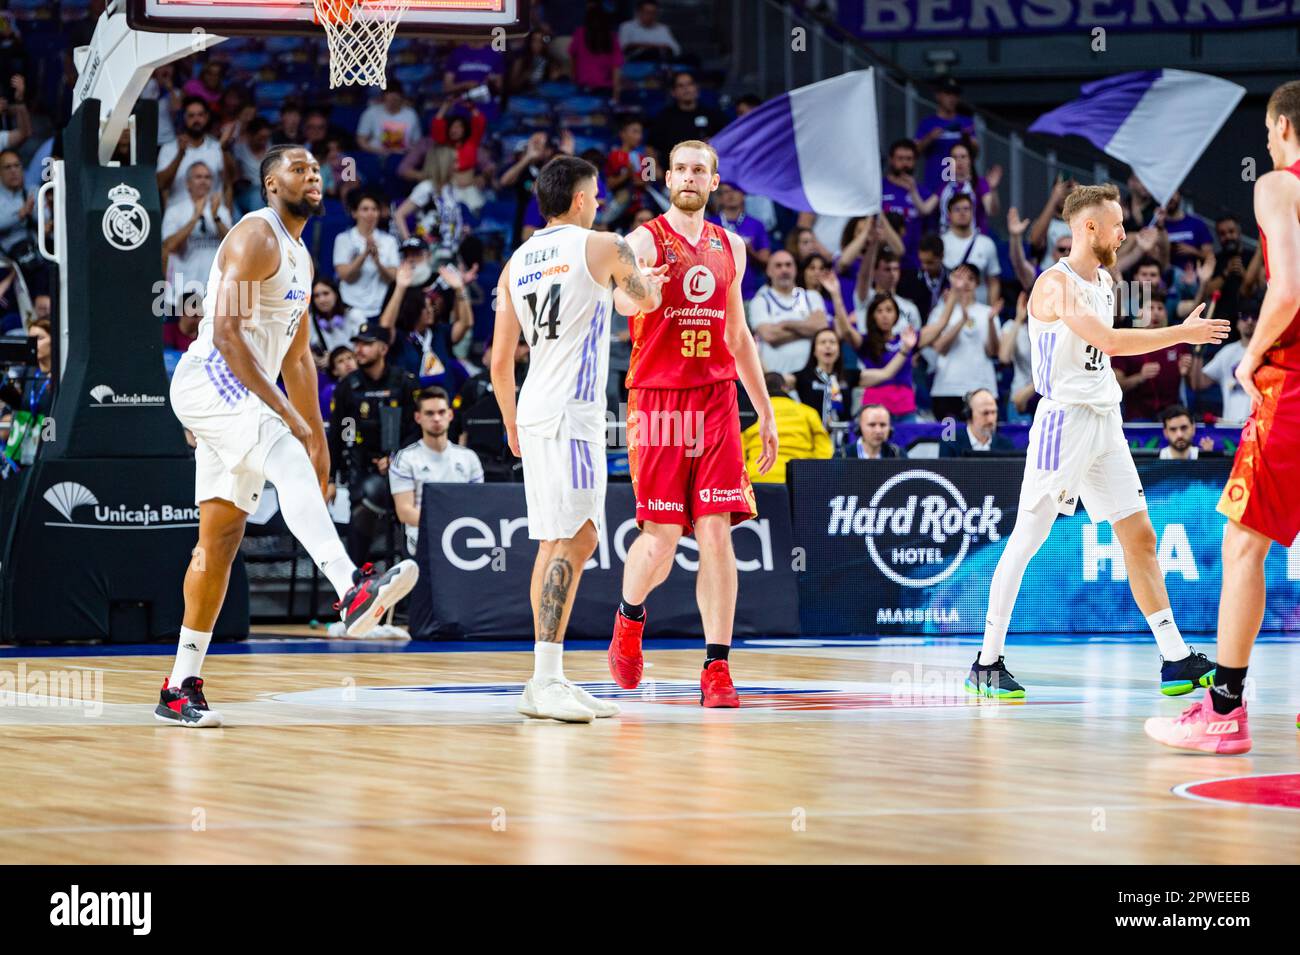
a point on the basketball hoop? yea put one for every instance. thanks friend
(359, 33)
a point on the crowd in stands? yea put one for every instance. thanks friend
(915, 314)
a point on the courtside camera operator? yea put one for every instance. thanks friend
(26, 394)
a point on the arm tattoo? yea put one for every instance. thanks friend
(632, 282)
(556, 581)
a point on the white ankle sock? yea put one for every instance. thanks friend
(548, 661)
(1167, 636)
(338, 570)
(995, 639)
(189, 655)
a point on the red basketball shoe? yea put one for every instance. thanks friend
(185, 705)
(716, 688)
(625, 660)
(372, 594)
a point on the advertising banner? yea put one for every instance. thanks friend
(921, 19)
(909, 547)
(476, 562)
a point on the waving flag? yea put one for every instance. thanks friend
(1157, 121)
(815, 149)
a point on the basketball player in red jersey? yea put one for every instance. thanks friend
(683, 424)
(1259, 499)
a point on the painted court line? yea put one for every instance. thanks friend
(596, 819)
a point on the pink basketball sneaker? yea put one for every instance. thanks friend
(1203, 730)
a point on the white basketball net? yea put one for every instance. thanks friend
(359, 34)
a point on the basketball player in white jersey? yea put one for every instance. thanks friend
(1076, 444)
(560, 285)
(248, 432)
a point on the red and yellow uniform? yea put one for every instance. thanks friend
(683, 423)
(1261, 489)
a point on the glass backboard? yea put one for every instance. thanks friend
(252, 17)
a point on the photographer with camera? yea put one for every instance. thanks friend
(26, 390)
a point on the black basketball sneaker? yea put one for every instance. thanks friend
(371, 595)
(185, 705)
(1178, 677)
(993, 682)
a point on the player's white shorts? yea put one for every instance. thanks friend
(1076, 452)
(234, 430)
(564, 483)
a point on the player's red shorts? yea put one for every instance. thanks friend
(685, 455)
(1261, 490)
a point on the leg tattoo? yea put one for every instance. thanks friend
(555, 595)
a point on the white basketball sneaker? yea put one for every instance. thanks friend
(553, 700)
(602, 708)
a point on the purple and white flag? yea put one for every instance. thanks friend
(814, 149)
(1157, 121)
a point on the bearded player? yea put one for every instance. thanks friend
(1077, 447)
(683, 422)
(1259, 499)
(249, 432)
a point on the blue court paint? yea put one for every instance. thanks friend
(264, 643)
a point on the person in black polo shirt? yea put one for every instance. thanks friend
(685, 118)
(372, 415)
(925, 286)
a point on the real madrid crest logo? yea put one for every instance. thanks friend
(126, 224)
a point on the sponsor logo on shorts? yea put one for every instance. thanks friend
(722, 495)
(917, 526)
(654, 504)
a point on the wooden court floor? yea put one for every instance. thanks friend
(842, 753)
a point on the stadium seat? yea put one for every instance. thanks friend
(273, 93)
(637, 73)
(346, 116)
(370, 168)
(582, 143)
(30, 12)
(529, 106)
(579, 105)
(513, 144)
(251, 61)
(283, 44)
(556, 89)
(413, 74)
